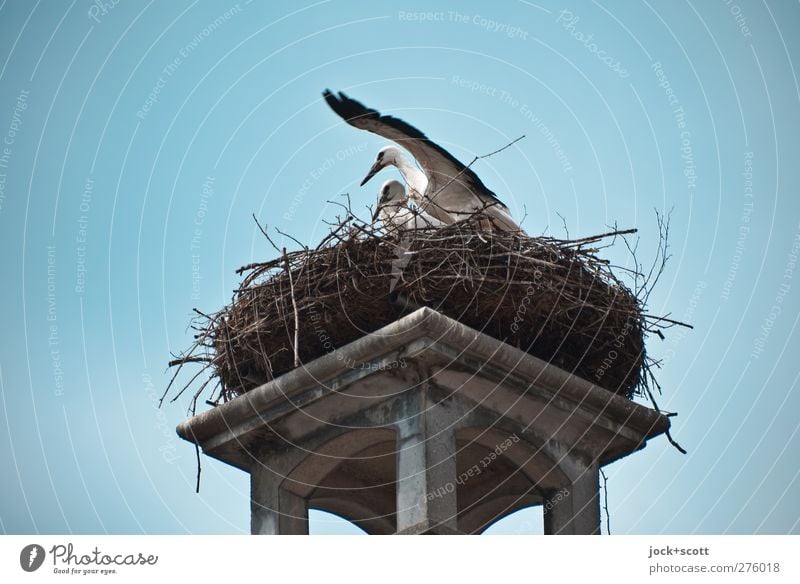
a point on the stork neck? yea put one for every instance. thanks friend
(414, 177)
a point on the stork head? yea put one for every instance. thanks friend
(387, 156)
(393, 194)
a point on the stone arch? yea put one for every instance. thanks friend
(350, 473)
(508, 474)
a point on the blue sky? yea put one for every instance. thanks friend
(139, 138)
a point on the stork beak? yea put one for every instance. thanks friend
(372, 172)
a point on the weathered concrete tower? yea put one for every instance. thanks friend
(425, 426)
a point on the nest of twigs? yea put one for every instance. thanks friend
(553, 298)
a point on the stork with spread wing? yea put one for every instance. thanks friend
(444, 188)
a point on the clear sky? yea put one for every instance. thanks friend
(138, 138)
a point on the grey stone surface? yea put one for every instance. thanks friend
(468, 431)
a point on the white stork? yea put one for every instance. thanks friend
(394, 213)
(445, 188)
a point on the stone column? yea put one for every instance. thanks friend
(575, 509)
(426, 466)
(273, 509)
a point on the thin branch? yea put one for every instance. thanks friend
(302, 245)
(677, 446)
(593, 238)
(524, 214)
(605, 501)
(264, 232)
(197, 454)
(184, 360)
(657, 319)
(563, 223)
(663, 249)
(294, 307)
(474, 160)
(498, 151)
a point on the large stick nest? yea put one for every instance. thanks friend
(553, 298)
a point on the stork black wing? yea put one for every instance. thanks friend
(439, 165)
